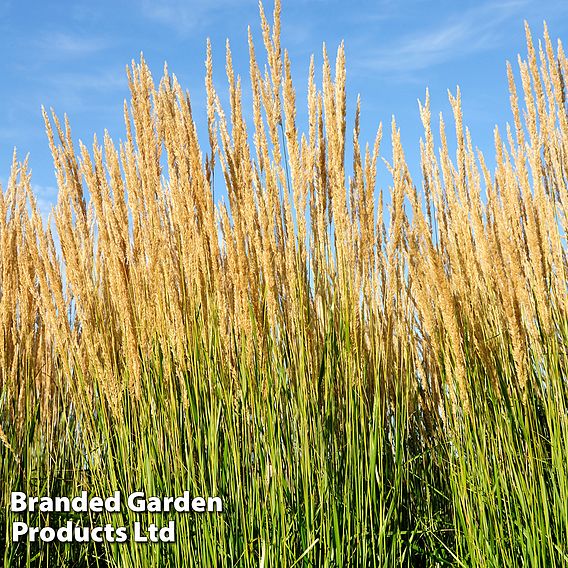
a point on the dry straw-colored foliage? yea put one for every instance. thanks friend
(471, 266)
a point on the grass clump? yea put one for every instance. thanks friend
(359, 393)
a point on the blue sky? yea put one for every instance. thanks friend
(72, 56)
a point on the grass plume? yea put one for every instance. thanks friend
(359, 393)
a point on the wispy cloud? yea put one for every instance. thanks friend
(68, 89)
(184, 16)
(59, 44)
(477, 29)
(96, 80)
(78, 91)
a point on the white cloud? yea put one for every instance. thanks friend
(477, 29)
(62, 44)
(98, 80)
(184, 16)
